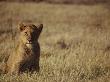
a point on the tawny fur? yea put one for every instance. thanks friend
(27, 53)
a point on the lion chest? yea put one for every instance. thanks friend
(30, 52)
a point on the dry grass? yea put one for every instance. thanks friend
(75, 42)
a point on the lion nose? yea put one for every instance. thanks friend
(29, 40)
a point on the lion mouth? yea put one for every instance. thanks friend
(30, 42)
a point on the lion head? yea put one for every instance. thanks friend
(29, 33)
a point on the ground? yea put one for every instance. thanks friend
(75, 41)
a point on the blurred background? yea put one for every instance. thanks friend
(63, 1)
(75, 41)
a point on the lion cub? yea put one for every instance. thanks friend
(26, 56)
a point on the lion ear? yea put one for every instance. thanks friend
(40, 27)
(21, 27)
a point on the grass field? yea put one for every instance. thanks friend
(75, 42)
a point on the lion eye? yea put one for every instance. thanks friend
(26, 33)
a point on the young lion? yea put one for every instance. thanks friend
(27, 53)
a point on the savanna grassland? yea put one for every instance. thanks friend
(75, 41)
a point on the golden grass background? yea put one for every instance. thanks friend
(75, 42)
